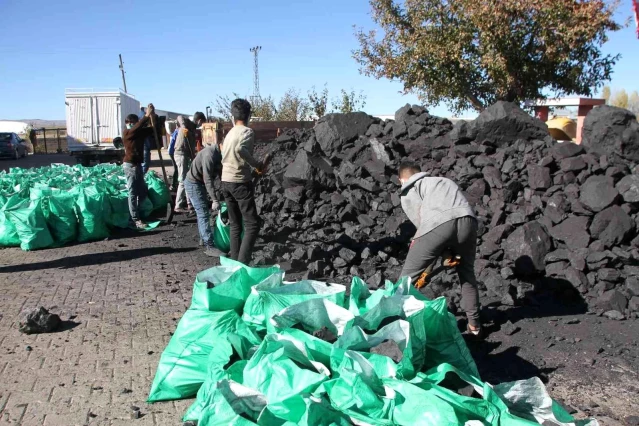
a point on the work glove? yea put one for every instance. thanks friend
(215, 206)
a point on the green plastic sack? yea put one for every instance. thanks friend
(29, 221)
(313, 412)
(283, 369)
(61, 217)
(430, 322)
(92, 208)
(226, 362)
(267, 300)
(146, 208)
(158, 192)
(8, 234)
(119, 216)
(399, 332)
(313, 315)
(227, 287)
(221, 231)
(183, 365)
(232, 403)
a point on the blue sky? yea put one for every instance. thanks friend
(181, 55)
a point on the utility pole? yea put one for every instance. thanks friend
(122, 69)
(256, 77)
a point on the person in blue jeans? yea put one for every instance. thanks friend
(133, 138)
(199, 185)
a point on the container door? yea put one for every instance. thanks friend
(106, 119)
(80, 119)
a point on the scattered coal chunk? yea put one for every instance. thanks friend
(39, 320)
(390, 349)
(509, 328)
(325, 334)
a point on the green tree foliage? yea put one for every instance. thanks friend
(318, 102)
(222, 105)
(293, 106)
(470, 53)
(606, 93)
(633, 102)
(619, 99)
(263, 109)
(349, 101)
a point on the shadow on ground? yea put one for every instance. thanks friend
(94, 259)
(504, 366)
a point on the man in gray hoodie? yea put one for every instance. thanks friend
(445, 221)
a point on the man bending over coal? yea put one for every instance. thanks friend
(445, 221)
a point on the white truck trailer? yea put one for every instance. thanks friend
(94, 119)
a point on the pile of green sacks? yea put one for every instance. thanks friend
(55, 205)
(247, 351)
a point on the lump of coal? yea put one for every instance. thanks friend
(503, 122)
(628, 187)
(325, 334)
(538, 177)
(390, 349)
(598, 192)
(566, 150)
(572, 231)
(527, 246)
(334, 130)
(611, 226)
(39, 321)
(612, 130)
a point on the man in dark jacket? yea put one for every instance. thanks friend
(445, 221)
(199, 182)
(134, 136)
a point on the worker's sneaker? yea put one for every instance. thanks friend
(213, 252)
(180, 210)
(139, 225)
(476, 332)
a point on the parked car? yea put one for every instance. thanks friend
(12, 146)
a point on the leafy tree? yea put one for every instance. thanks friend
(633, 102)
(263, 109)
(293, 106)
(222, 105)
(605, 93)
(318, 102)
(619, 99)
(349, 101)
(470, 53)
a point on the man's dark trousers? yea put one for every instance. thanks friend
(240, 202)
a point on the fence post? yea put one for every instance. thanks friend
(44, 136)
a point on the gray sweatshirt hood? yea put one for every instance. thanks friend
(410, 182)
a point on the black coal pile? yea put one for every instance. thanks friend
(553, 217)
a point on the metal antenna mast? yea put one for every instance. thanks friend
(256, 77)
(122, 69)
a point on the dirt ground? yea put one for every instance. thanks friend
(121, 299)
